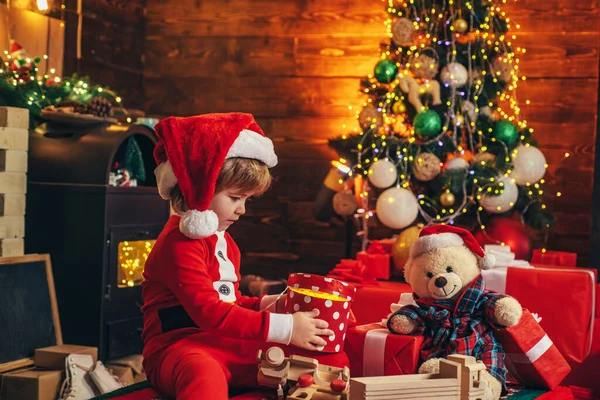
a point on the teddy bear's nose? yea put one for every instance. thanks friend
(441, 282)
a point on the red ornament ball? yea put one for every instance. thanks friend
(508, 231)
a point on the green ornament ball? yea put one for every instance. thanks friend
(385, 71)
(427, 123)
(506, 132)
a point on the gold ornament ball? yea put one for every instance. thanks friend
(460, 120)
(447, 199)
(399, 108)
(401, 247)
(460, 25)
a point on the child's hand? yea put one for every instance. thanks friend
(307, 328)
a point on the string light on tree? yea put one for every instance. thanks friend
(466, 119)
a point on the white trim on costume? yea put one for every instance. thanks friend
(224, 286)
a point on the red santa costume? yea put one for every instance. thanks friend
(200, 334)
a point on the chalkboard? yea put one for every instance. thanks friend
(28, 311)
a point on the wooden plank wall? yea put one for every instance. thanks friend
(296, 66)
(112, 45)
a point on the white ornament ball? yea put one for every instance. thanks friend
(454, 75)
(383, 174)
(529, 165)
(456, 164)
(497, 204)
(397, 208)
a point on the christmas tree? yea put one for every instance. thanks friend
(440, 137)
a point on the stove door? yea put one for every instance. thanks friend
(128, 247)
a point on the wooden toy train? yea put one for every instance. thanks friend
(298, 377)
(312, 381)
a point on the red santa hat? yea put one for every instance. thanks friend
(439, 236)
(191, 151)
(16, 50)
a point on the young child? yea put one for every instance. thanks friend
(201, 336)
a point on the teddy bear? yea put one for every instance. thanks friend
(454, 311)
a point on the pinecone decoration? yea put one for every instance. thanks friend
(99, 106)
(78, 107)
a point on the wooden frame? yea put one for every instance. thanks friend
(26, 362)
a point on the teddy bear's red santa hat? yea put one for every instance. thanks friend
(439, 236)
(191, 151)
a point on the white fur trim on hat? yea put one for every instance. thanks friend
(165, 180)
(488, 261)
(250, 144)
(431, 242)
(197, 224)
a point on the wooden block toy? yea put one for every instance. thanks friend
(14, 139)
(12, 205)
(12, 247)
(12, 227)
(13, 161)
(13, 117)
(304, 377)
(13, 183)
(459, 379)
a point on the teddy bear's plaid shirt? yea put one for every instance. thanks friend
(462, 328)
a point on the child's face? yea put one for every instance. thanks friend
(229, 205)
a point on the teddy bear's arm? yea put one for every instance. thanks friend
(406, 321)
(502, 310)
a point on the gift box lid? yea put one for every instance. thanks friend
(321, 287)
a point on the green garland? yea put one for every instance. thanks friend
(21, 86)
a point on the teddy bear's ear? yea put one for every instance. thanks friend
(407, 268)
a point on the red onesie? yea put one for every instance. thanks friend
(201, 335)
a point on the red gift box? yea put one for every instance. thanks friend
(563, 298)
(372, 303)
(386, 244)
(531, 357)
(331, 297)
(374, 351)
(554, 258)
(377, 261)
(353, 271)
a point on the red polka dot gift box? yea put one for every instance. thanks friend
(331, 297)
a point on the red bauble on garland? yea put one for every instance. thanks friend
(508, 231)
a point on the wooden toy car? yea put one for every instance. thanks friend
(304, 376)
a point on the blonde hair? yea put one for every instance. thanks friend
(243, 174)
